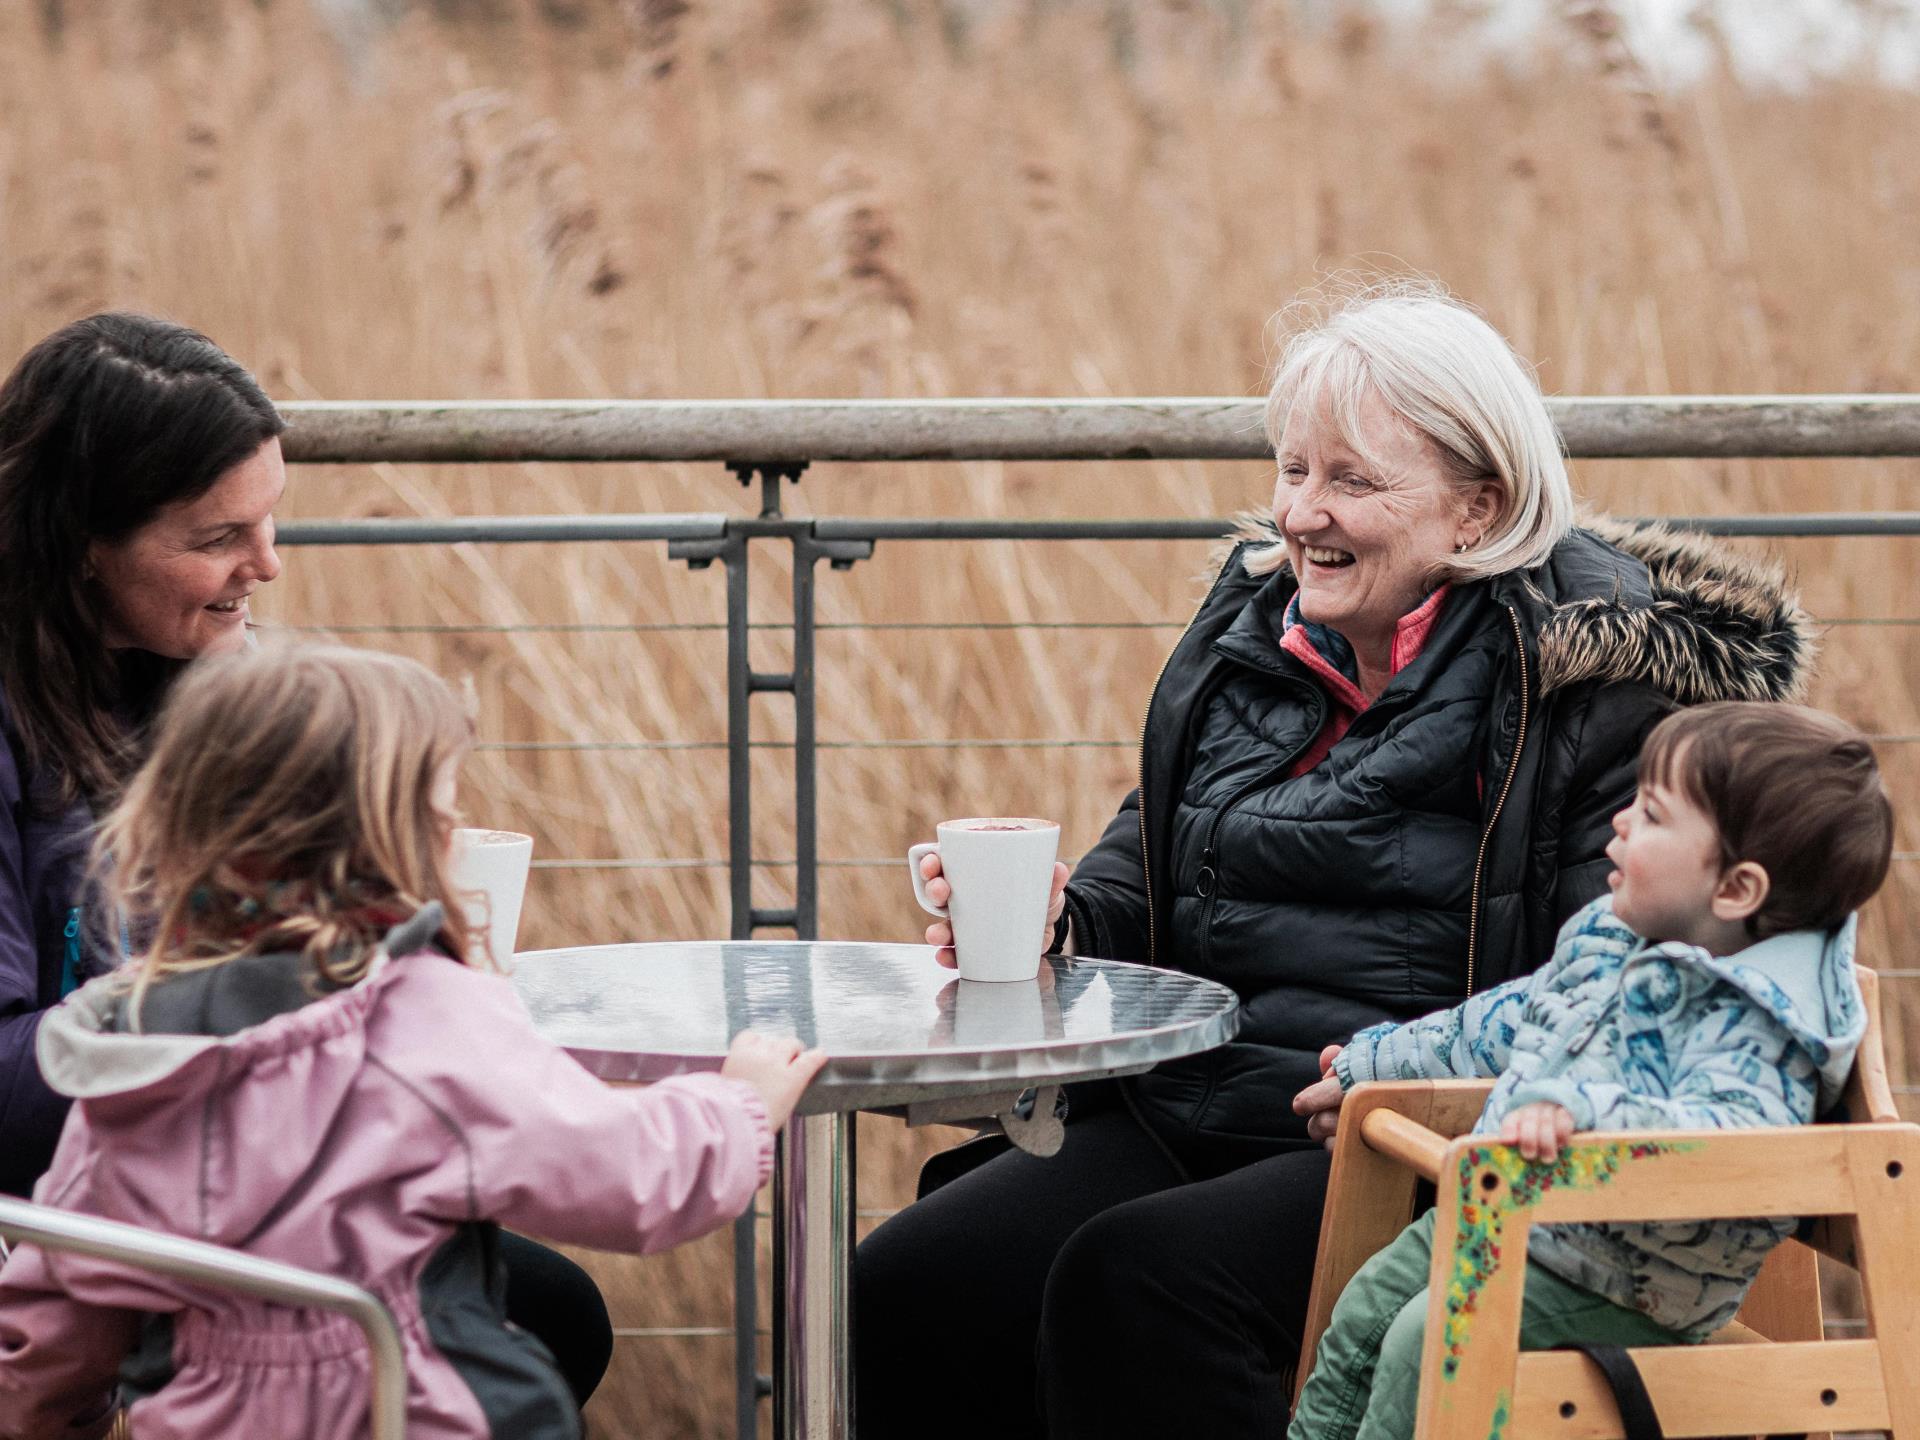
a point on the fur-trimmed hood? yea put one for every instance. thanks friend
(1719, 625)
(1704, 622)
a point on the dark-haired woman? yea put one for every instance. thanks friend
(139, 469)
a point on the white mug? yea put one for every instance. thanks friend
(1001, 871)
(489, 873)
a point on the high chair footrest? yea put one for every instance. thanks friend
(1703, 1391)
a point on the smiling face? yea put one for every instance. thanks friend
(1368, 523)
(178, 585)
(1667, 866)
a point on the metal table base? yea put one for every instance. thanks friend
(813, 1202)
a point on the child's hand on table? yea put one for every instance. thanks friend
(777, 1067)
(1539, 1130)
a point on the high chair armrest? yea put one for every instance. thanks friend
(1370, 1197)
(1655, 1175)
(1446, 1107)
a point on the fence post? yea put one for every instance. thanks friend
(732, 553)
(743, 682)
(807, 552)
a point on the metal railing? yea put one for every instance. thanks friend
(214, 1265)
(774, 442)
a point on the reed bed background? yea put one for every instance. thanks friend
(780, 198)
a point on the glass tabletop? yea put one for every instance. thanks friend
(897, 1027)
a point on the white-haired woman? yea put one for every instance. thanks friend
(1376, 775)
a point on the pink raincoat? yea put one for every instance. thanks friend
(377, 1134)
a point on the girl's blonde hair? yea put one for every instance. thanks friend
(1451, 376)
(287, 804)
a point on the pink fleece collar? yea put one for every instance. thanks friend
(1410, 634)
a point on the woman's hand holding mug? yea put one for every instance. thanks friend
(1320, 1101)
(940, 933)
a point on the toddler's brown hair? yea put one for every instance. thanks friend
(1795, 790)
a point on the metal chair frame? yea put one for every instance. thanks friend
(215, 1265)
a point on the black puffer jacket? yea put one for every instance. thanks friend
(1440, 844)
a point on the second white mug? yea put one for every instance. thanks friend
(489, 870)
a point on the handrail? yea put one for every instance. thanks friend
(1404, 1140)
(1636, 427)
(206, 1264)
(543, 529)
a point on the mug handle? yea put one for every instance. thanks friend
(919, 881)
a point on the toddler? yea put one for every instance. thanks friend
(308, 1061)
(1713, 988)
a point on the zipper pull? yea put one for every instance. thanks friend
(1208, 876)
(70, 958)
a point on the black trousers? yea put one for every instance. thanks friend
(1099, 1293)
(557, 1302)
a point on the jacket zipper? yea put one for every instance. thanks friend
(1146, 867)
(1513, 767)
(1569, 1052)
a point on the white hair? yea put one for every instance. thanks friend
(1451, 376)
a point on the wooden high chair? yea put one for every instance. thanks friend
(1769, 1372)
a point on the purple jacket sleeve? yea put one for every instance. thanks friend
(58, 1357)
(30, 1113)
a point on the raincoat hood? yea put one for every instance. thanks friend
(1805, 981)
(187, 1059)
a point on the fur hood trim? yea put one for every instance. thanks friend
(1720, 625)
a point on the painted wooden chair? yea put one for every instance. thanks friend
(1769, 1373)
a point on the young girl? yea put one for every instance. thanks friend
(309, 1062)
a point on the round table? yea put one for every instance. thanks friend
(901, 1033)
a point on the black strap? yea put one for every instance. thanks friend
(1637, 1416)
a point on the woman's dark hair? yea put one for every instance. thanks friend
(103, 424)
